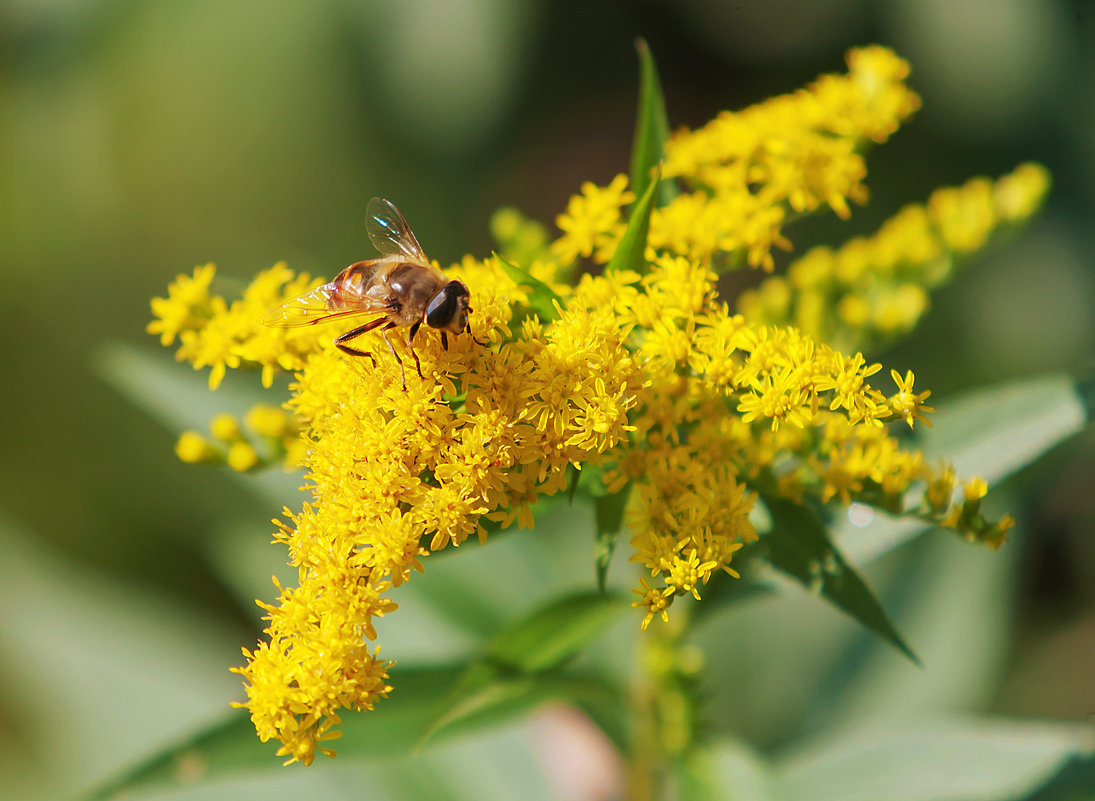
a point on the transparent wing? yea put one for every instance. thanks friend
(390, 233)
(318, 306)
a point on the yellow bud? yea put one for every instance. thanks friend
(242, 457)
(270, 421)
(1019, 194)
(854, 311)
(225, 427)
(505, 224)
(192, 447)
(975, 489)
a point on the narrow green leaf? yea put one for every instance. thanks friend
(231, 745)
(487, 696)
(991, 432)
(610, 518)
(574, 476)
(225, 746)
(542, 298)
(631, 251)
(651, 129)
(800, 546)
(517, 672)
(554, 633)
(927, 761)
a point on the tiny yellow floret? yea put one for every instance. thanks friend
(192, 447)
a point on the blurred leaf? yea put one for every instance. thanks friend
(179, 397)
(946, 597)
(231, 745)
(651, 129)
(990, 432)
(554, 633)
(101, 670)
(514, 672)
(631, 251)
(967, 759)
(799, 545)
(728, 771)
(610, 518)
(1073, 781)
(175, 394)
(997, 430)
(541, 299)
(488, 695)
(496, 765)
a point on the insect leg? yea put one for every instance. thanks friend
(361, 329)
(410, 347)
(473, 339)
(402, 372)
(444, 341)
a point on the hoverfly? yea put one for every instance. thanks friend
(401, 286)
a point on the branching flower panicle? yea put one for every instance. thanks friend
(642, 375)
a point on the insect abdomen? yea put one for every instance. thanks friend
(350, 285)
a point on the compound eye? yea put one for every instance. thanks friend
(442, 308)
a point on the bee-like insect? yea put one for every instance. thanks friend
(401, 285)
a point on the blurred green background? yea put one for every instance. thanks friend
(139, 139)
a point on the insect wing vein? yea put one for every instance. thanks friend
(314, 307)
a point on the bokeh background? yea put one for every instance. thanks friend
(139, 139)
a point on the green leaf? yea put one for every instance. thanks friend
(179, 398)
(651, 129)
(554, 633)
(574, 476)
(728, 771)
(488, 695)
(496, 765)
(995, 431)
(542, 298)
(799, 545)
(517, 670)
(948, 759)
(90, 653)
(631, 251)
(991, 432)
(610, 518)
(231, 745)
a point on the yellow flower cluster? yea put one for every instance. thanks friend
(752, 171)
(218, 335)
(642, 377)
(875, 288)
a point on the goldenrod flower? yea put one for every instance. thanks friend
(592, 221)
(873, 289)
(643, 372)
(906, 404)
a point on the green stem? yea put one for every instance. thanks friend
(663, 707)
